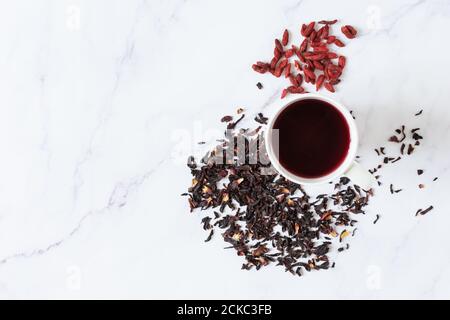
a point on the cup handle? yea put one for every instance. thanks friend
(360, 176)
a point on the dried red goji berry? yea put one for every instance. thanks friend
(310, 65)
(331, 39)
(290, 88)
(299, 78)
(341, 62)
(334, 81)
(283, 63)
(308, 72)
(319, 33)
(289, 53)
(326, 31)
(278, 45)
(274, 62)
(303, 46)
(277, 53)
(287, 70)
(322, 33)
(309, 29)
(318, 57)
(278, 71)
(320, 49)
(259, 68)
(339, 43)
(327, 21)
(285, 39)
(349, 31)
(293, 89)
(293, 80)
(317, 44)
(333, 71)
(319, 82)
(307, 79)
(284, 93)
(303, 29)
(329, 87)
(318, 65)
(332, 55)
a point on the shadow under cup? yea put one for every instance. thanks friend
(312, 139)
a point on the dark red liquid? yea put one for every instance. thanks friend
(314, 138)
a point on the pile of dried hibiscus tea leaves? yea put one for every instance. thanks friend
(312, 59)
(263, 216)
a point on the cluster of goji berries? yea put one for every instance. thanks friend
(315, 62)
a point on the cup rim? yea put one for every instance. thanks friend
(345, 165)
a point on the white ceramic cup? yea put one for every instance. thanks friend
(349, 168)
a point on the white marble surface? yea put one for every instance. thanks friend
(97, 94)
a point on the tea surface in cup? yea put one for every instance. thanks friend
(314, 138)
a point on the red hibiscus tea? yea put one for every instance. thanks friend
(314, 138)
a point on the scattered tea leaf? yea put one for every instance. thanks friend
(343, 235)
(210, 235)
(392, 190)
(352, 114)
(206, 223)
(261, 119)
(394, 139)
(410, 149)
(232, 125)
(376, 219)
(226, 119)
(425, 211)
(417, 136)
